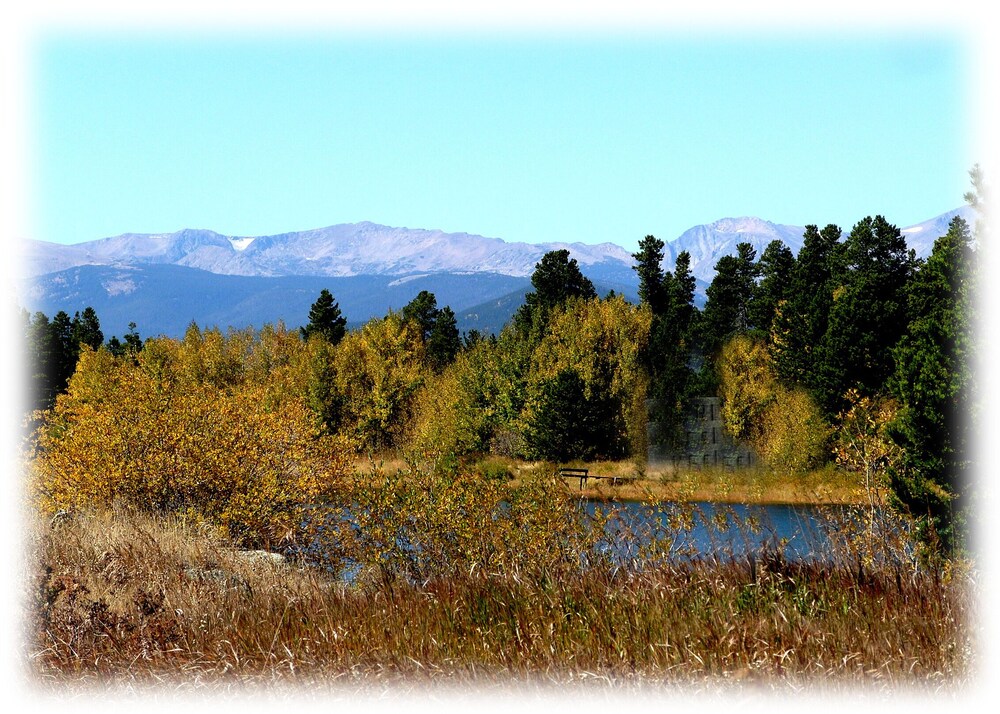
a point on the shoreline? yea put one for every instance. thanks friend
(783, 493)
(751, 486)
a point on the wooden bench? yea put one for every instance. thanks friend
(584, 474)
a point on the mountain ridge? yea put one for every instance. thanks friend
(368, 248)
(164, 281)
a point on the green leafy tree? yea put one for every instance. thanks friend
(935, 382)
(325, 319)
(782, 424)
(475, 404)
(601, 341)
(379, 370)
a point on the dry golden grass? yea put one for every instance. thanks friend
(639, 482)
(755, 486)
(125, 600)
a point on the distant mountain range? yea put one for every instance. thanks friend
(338, 251)
(163, 282)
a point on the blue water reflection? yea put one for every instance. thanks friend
(707, 529)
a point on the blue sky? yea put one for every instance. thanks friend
(522, 136)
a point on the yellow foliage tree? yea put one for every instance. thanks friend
(784, 426)
(378, 371)
(476, 398)
(795, 433)
(148, 434)
(603, 342)
(864, 446)
(747, 386)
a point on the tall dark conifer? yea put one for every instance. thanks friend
(569, 424)
(422, 311)
(325, 319)
(801, 321)
(437, 326)
(730, 294)
(670, 298)
(867, 315)
(649, 267)
(557, 278)
(934, 380)
(775, 269)
(444, 342)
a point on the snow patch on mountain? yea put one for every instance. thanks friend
(707, 243)
(240, 244)
(921, 237)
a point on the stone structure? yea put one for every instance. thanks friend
(705, 441)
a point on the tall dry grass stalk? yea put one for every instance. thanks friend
(121, 599)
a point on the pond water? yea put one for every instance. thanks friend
(706, 529)
(636, 532)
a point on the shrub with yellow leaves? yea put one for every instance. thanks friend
(377, 372)
(419, 524)
(783, 425)
(150, 434)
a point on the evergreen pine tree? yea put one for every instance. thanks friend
(730, 294)
(42, 361)
(670, 297)
(867, 316)
(87, 329)
(801, 322)
(649, 259)
(66, 349)
(567, 424)
(325, 319)
(444, 342)
(422, 311)
(775, 268)
(935, 382)
(556, 279)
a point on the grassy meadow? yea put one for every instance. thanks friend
(124, 599)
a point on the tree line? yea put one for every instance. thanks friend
(854, 349)
(819, 356)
